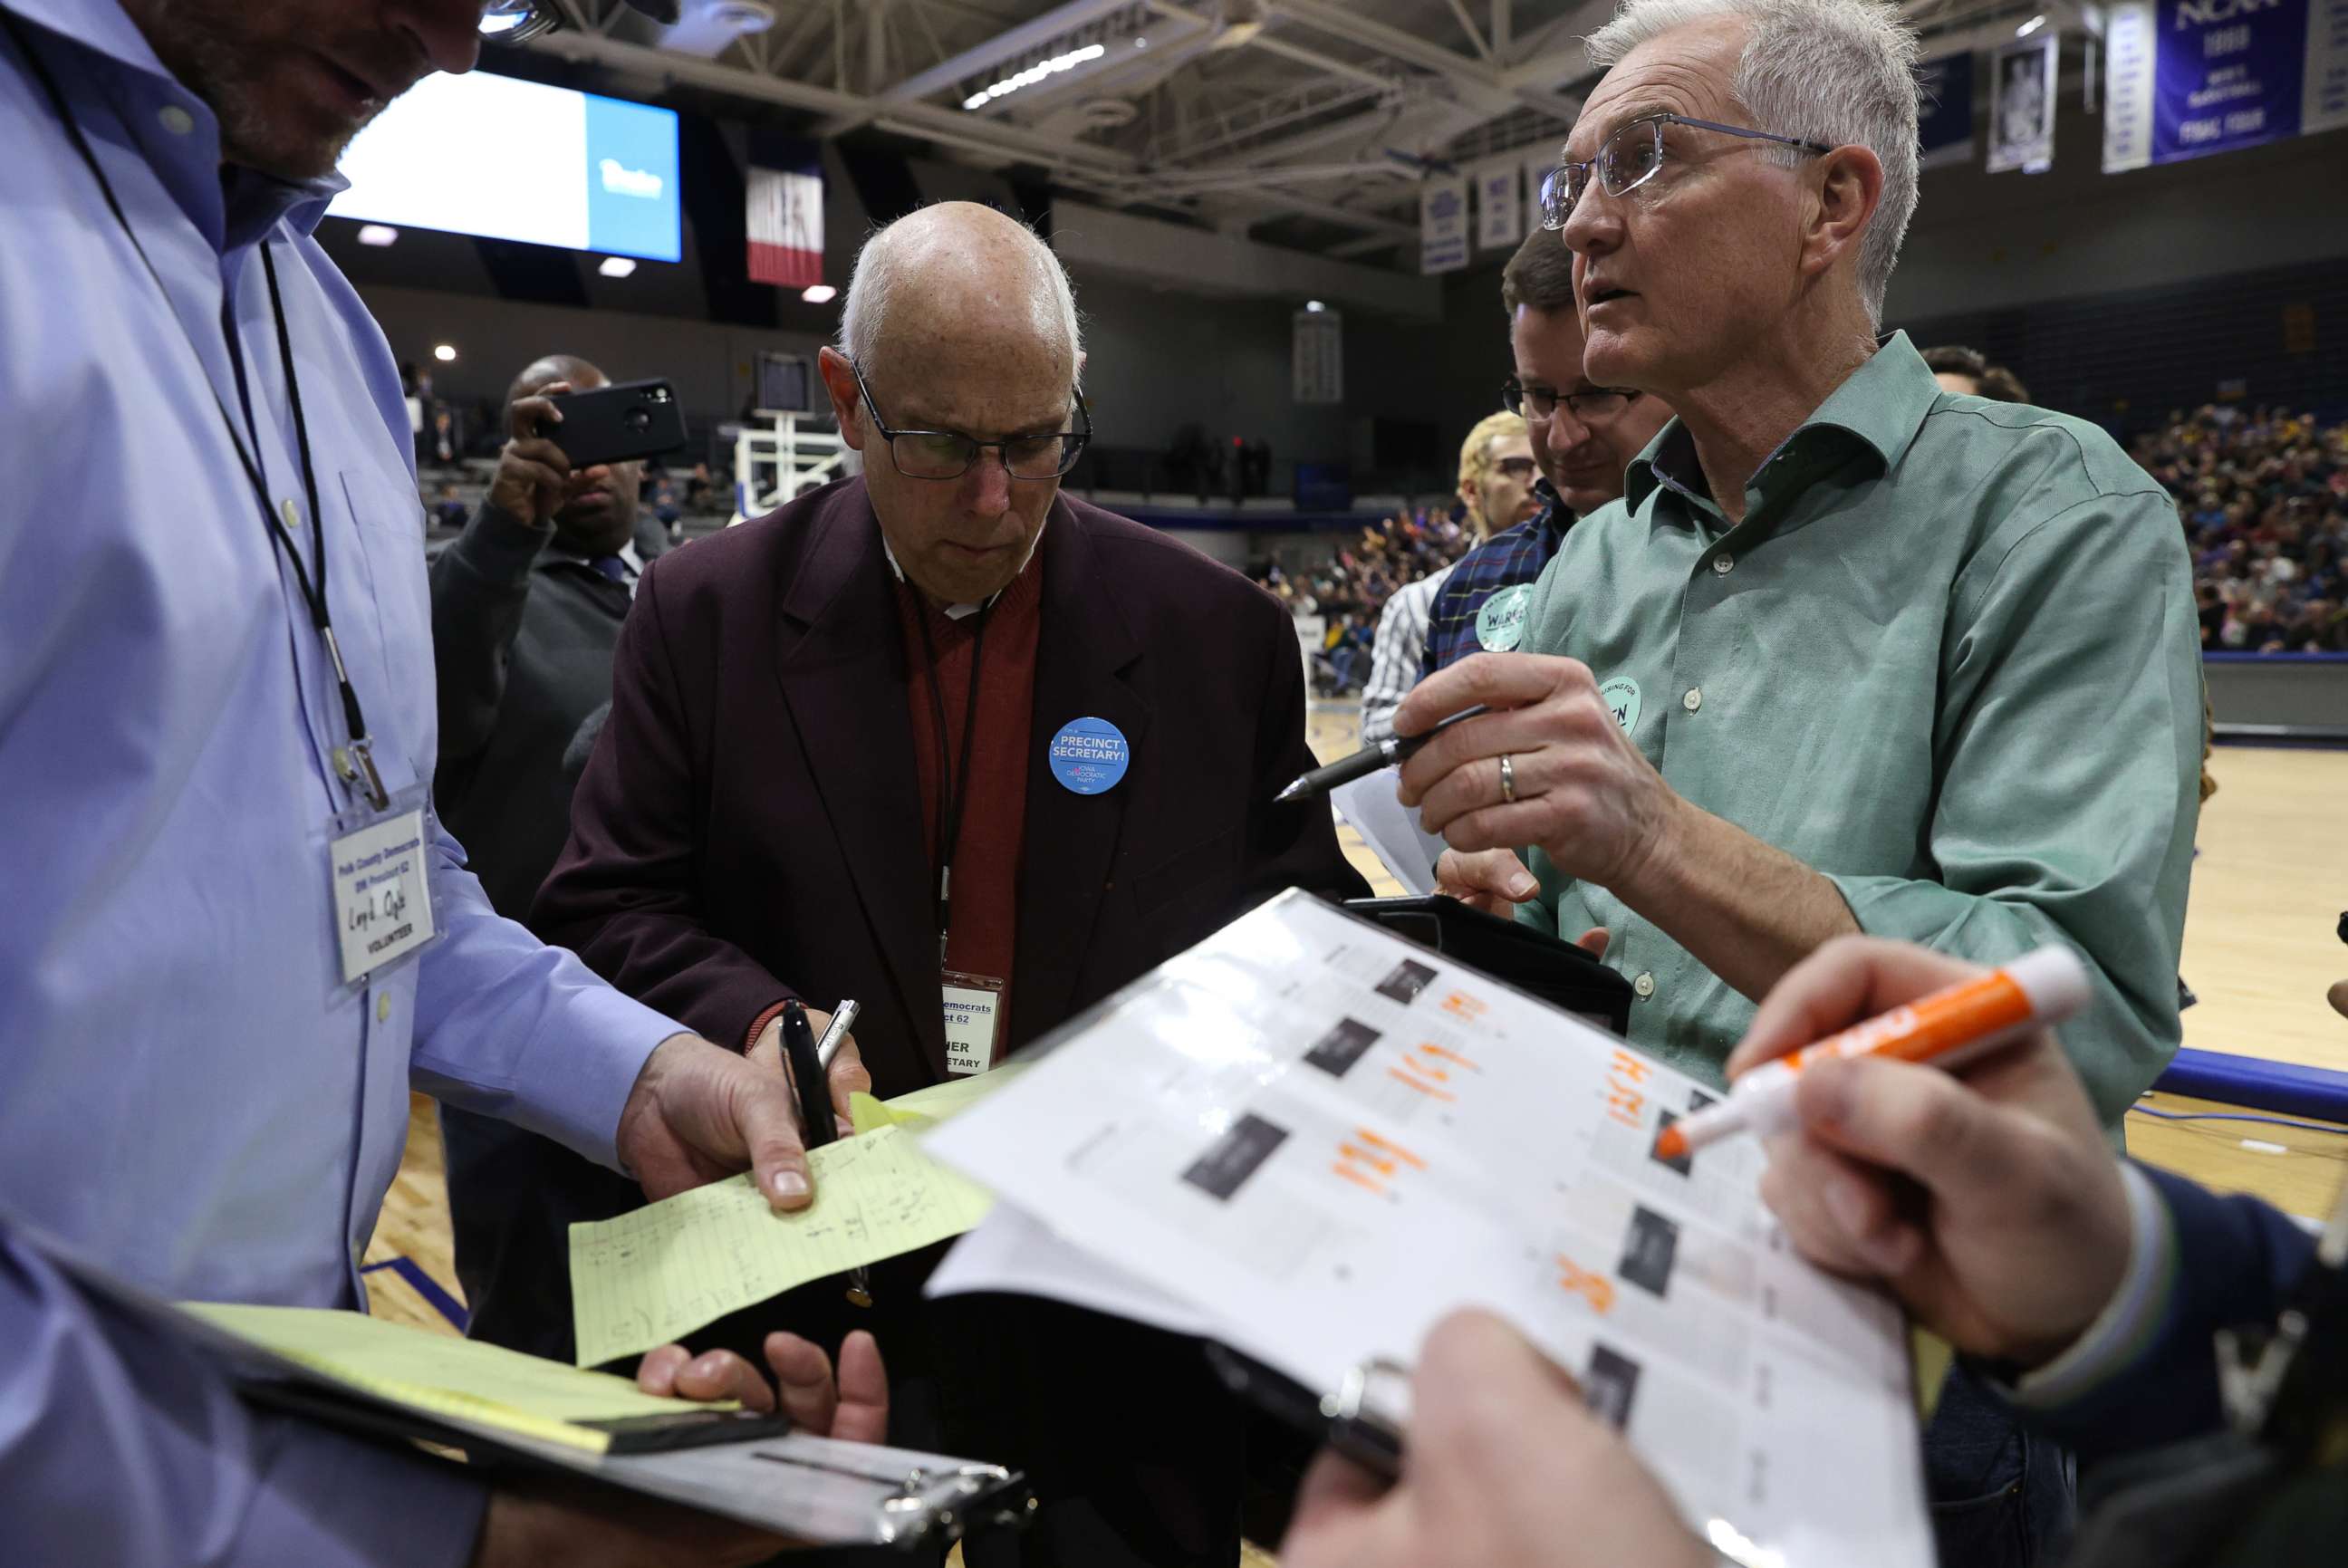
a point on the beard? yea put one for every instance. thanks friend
(243, 56)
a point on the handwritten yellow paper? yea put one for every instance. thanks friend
(462, 1379)
(671, 1267)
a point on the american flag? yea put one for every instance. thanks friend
(784, 215)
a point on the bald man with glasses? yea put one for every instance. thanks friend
(948, 741)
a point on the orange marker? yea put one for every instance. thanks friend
(1947, 1028)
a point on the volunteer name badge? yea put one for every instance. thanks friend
(1089, 756)
(1622, 697)
(1501, 623)
(973, 1014)
(383, 889)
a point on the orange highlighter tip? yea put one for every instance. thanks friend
(1671, 1144)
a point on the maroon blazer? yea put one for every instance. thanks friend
(750, 825)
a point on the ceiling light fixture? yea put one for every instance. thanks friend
(445, 352)
(616, 266)
(820, 293)
(377, 233)
(2031, 26)
(1034, 73)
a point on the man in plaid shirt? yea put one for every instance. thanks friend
(1583, 438)
(1496, 487)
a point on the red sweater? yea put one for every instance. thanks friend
(985, 903)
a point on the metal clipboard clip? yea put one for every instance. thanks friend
(953, 1505)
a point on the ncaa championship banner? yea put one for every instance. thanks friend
(2188, 77)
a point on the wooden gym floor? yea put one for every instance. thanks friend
(2259, 951)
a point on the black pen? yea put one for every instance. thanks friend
(817, 1124)
(1368, 760)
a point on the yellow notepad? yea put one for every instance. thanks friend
(671, 1267)
(462, 1378)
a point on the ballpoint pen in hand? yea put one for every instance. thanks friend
(1368, 760)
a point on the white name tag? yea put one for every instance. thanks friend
(382, 892)
(973, 1009)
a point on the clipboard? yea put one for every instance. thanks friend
(822, 1491)
(1316, 1137)
(815, 1490)
(1540, 965)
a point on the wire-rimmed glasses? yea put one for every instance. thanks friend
(1633, 154)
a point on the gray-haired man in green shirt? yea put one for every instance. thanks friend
(1852, 654)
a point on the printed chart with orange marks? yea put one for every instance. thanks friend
(1320, 1139)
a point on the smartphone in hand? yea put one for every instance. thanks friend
(614, 424)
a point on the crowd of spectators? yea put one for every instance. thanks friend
(1349, 590)
(2264, 496)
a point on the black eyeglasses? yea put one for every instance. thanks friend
(1594, 407)
(1632, 155)
(949, 454)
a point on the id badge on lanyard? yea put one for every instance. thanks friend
(380, 866)
(973, 1004)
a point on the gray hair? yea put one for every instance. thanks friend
(1842, 72)
(883, 265)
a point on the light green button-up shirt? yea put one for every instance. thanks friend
(1948, 660)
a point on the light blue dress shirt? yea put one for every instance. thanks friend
(124, 1445)
(189, 1093)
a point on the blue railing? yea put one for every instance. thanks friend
(2235, 657)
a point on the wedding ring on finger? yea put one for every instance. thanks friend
(1508, 779)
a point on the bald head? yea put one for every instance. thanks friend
(961, 284)
(582, 375)
(595, 513)
(958, 329)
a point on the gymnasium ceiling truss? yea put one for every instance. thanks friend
(1305, 123)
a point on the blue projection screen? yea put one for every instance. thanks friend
(481, 154)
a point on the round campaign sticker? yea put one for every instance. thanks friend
(1501, 623)
(1621, 694)
(1089, 755)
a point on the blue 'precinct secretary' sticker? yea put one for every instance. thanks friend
(1089, 755)
(1501, 623)
(1622, 698)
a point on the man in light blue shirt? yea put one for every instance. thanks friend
(193, 1093)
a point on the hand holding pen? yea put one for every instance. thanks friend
(1366, 761)
(823, 1100)
(1989, 1202)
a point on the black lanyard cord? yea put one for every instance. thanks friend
(954, 787)
(314, 591)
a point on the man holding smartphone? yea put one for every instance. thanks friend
(526, 610)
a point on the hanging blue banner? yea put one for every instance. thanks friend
(2189, 78)
(2228, 76)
